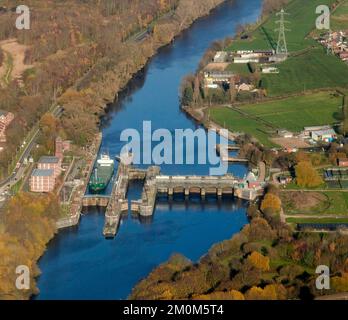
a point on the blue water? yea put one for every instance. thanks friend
(80, 263)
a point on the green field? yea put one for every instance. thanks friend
(239, 68)
(339, 19)
(308, 67)
(332, 203)
(301, 19)
(292, 114)
(311, 70)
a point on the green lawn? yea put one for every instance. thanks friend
(292, 114)
(311, 70)
(302, 19)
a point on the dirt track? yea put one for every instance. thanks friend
(16, 51)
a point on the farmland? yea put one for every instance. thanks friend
(301, 19)
(308, 66)
(339, 19)
(313, 69)
(260, 120)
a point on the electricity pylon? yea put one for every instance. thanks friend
(282, 47)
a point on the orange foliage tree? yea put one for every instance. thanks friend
(259, 261)
(306, 175)
(271, 202)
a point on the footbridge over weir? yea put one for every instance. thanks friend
(196, 185)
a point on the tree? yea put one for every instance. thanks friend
(187, 96)
(236, 295)
(271, 202)
(49, 128)
(306, 175)
(259, 261)
(270, 292)
(340, 284)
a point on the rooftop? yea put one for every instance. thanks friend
(42, 173)
(316, 128)
(324, 132)
(49, 159)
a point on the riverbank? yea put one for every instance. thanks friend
(101, 85)
(140, 245)
(262, 262)
(132, 70)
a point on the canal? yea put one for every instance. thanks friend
(79, 262)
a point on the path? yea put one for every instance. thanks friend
(13, 65)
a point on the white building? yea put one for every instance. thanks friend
(270, 70)
(327, 135)
(221, 57)
(246, 60)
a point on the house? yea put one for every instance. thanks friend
(343, 162)
(42, 180)
(327, 135)
(50, 163)
(220, 57)
(270, 70)
(265, 53)
(5, 119)
(253, 183)
(278, 58)
(284, 180)
(307, 132)
(213, 78)
(246, 60)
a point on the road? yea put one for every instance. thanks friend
(19, 171)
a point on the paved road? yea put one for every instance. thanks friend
(19, 171)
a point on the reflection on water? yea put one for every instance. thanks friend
(79, 262)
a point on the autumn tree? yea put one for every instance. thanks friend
(27, 224)
(49, 129)
(307, 176)
(270, 292)
(259, 261)
(271, 202)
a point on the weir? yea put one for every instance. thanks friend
(154, 184)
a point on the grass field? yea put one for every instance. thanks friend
(315, 203)
(308, 67)
(301, 19)
(292, 114)
(239, 68)
(311, 70)
(339, 19)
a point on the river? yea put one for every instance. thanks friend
(79, 262)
